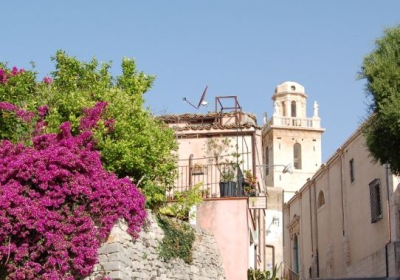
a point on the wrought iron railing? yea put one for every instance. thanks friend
(287, 273)
(209, 177)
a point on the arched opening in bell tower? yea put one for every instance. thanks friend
(293, 109)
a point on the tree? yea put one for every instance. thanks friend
(381, 69)
(138, 146)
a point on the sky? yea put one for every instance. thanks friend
(239, 48)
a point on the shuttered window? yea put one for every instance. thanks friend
(376, 200)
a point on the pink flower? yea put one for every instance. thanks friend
(58, 203)
(3, 76)
(15, 71)
(48, 80)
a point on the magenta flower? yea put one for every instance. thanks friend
(15, 71)
(48, 80)
(58, 203)
(3, 76)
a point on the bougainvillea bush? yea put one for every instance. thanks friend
(149, 158)
(57, 202)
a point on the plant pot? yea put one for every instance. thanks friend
(197, 171)
(227, 189)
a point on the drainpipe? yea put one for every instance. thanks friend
(311, 226)
(341, 190)
(316, 227)
(273, 254)
(389, 220)
(190, 170)
(253, 147)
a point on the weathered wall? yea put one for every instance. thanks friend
(228, 220)
(122, 258)
(340, 230)
(374, 265)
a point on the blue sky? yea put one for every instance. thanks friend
(242, 48)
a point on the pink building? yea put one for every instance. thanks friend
(219, 150)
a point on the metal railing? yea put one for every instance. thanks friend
(287, 273)
(209, 176)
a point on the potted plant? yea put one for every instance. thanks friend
(250, 183)
(226, 161)
(205, 193)
(227, 184)
(197, 169)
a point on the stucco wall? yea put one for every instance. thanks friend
(348, 243)
(228, 221)
(374, 265)
(122, 258)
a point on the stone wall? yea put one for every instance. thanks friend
(375, 264)
(122, 258)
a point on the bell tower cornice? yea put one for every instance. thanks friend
(289, 88)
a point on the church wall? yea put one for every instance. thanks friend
(361, 230)
(348, 242)
(281, 143)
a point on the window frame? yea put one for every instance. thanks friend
(375, 195)
(321, 199)
(297, 157)
(352, 171)
(293, 109)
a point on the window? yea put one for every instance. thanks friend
(376, 200)
(267, 161)
(321, 199)
(297, 156)
(283, 109)
(352, 177)
(293, 109)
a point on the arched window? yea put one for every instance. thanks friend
(321, 199)
(283, 109)
(293, 109)
(297, 156)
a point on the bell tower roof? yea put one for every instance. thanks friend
(289, 88)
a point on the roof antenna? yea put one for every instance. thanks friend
(202, 102)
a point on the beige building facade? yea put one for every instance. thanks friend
(344, 222)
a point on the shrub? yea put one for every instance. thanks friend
(58, 203)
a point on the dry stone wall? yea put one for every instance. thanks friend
(122, 258)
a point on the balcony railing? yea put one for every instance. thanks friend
(209, 177)
(295, 122)
(287, 273)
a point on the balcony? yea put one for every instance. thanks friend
(210, 176)
(295, 122)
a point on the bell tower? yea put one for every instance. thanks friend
(291, 140)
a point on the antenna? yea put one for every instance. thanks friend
(202, 102)
(288, 169)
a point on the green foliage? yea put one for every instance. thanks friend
(381, 69)
(220, 149)
(17, 86)
(178, 240)
(183, 201)
(256, 274)
(155, 196)
(134, 145)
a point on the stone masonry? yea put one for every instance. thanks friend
(123, 258)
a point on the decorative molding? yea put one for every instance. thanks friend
(294, 226)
